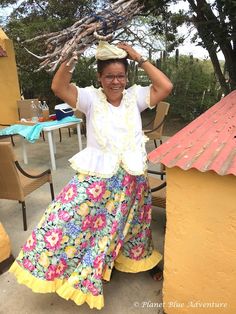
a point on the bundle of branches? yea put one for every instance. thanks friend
(84, 33)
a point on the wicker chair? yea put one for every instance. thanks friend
(6, 136)
(24, 107)
(158, 188)
(157, 123)
(15, 183)
(25, 111)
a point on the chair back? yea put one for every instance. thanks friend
(162, 109)
(10, 186)
(79, 114)
(158, 190)
(24, 107)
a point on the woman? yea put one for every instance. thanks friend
(102, 216)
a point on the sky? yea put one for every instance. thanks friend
(189, 48)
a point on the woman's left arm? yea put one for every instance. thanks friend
(161, 85)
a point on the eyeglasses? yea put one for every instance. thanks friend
(110, 77)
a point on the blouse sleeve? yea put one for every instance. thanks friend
(84, 99)
(143, 97)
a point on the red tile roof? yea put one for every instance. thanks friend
(207, 143)
(3, 53)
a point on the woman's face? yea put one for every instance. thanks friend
(113, 79)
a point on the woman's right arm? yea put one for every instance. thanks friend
(62, 86)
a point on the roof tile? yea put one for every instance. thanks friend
(207, 143)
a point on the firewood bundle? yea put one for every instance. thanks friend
(84, 33)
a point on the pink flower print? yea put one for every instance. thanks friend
(148, 217)
(139, 235)
(84, 245)
(99, 222)
(89, 285)
(117, 249)
(114, 227)
(86, 224)
(137, 251)
(124, 208)
(98, 260)
(147, 207)
(28, 264)
(147, 213)
(114, 255)
(51, 217)
(92, 241)
(67, 194)
(129, 182)
(140, 190)
(120, 243)
(128, 178)
(97, 275)
(64, 215)
(98, 271)
(148, 233)
(99, 268)
(30, 243)
(53, 239)
(61, 267)
(141, 215)
(96, 190)
(51, 273)
(85, 283)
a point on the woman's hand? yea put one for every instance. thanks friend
(161, 86)
(132, 53)
(72, 61)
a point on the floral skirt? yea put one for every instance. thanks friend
(93, 225)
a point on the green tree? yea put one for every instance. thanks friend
(195, 86)
(216, 28)
(30, 19)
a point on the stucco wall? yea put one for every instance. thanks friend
(9, 85)
(5, 247)
(200, 243)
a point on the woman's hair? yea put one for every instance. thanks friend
(101, 64)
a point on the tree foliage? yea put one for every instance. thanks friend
(216, 25)
(195, 85)
(215, 22)
(31, 18)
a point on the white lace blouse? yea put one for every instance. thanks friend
(114, 134)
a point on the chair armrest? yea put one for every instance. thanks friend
(161, 186)
(156, 128)
(157, 172)
(150, 122)
(48, 171)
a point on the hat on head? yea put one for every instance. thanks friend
(105, 51)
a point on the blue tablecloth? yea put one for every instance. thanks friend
(32, 132)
